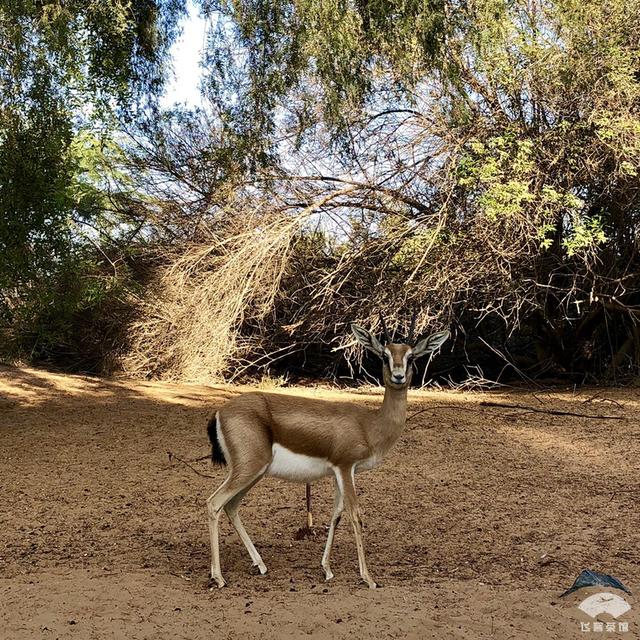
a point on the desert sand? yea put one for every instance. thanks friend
(477, 521)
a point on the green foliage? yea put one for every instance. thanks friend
(585, 235)
(66, 69)
(502, 171)
(34, 202)
(334, 52)
(73, 317)
(416, 246)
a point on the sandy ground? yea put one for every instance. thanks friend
(474, 525)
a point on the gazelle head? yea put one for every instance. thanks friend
(398, 357)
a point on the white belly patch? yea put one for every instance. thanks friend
(296, 466)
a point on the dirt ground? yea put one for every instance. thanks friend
(478, 520)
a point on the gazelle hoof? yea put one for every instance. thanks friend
(216, 581)
(261, 568)
(328, 574)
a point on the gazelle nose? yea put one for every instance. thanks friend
(398, 377)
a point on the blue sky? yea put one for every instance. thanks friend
(184, 79)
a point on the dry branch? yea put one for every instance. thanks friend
(553, 412)
(187, 464)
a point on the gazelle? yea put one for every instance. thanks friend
(303, 439)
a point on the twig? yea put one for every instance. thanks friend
(439, 406)
(521, 373)
(554, 412)
(203, 475)
(596, 398)
(617, 491)
(546, 559)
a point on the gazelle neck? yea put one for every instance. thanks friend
(392, 417)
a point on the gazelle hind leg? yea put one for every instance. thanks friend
(338, 506)
(215, 504)
(213, 520)
(353, 509)
(231, 509)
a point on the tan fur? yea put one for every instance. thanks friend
(343, 434)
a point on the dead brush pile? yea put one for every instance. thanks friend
(189, 322)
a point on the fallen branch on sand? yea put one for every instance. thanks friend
(553, 412)
(186, 463)
(504, 405)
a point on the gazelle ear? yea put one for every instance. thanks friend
(430, 344)
(367, 340)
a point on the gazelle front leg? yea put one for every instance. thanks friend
(353, 509)
(338, 506)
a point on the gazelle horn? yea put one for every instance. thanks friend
(413, 327)
(384, 328)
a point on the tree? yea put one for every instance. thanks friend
(477, 160)
(65, 68)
